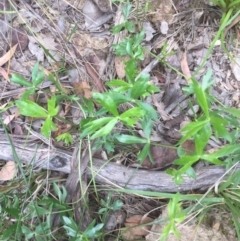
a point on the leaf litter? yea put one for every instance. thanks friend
(88, 52)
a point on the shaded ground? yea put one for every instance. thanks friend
(72, 39)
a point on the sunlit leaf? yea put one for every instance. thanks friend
(94, 125)
(127, 139)
(47, 127)
(191, 129)
(140, 86)
(105, 130)
(52, 108)
(106, 101)
(30, 108)
(18, 79)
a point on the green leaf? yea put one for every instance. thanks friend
(127, 139)
(186, 160)
(30, 108)
(94, 232)
(118, 83)
(106, 101)
(133, 112)
(219, 125)
(66, 137)
(18, 79)
(138, 38)
(27, 93)
(92, 126)
(118, 28)
(213, 160)
(118, 98)
(37, 75)
(144, 153)
(56, 83)
(47, 127)
(233, 111)
(225, 151)
(140, 86)
(52, 109)
(201, 97)
(27, 232)
(151, 112)
(202, 137)
(117, 205)
(130, 70)
(106, 129)
(126, 9)
(191, 129)
(191, 173)
(147, 126)
(129, 26)
(206, 80)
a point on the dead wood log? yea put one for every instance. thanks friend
(109, 173)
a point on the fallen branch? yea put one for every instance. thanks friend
(108, 173)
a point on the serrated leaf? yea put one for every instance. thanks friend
(233, 111)
(18, 79)
(186, 160)
(105, 130)
(202, 137)
(37, 75)
(52, 108)
(118, 28)
(47, 127)
(219, 124)
(129, 26)
(119, 98)
(92, 126)
(151, 112)
(201, 97)
(191, 129)
(133, 112)
(130, 70)
(117, 83)
(140, 86)
(206, 83)
(106, 101)
(147, 126)
(127, 139)
(31, 109)
(144, 153)
(191, 173)
(138, 38)
(126, 10)
(225, 151)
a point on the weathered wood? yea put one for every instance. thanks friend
(110, 173)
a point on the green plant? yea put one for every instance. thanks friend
(91, 232)
(128, 25)
(32, 109)
(175, 216)
(231, 11)
(222, 124)
(130, 92)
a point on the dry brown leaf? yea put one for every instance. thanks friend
(137, 220)
(8, 171)
(4, 73)
(82, 88)
(8, 119)
(63, 128)
(6, 57)
(19, 37)
(185, 68)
